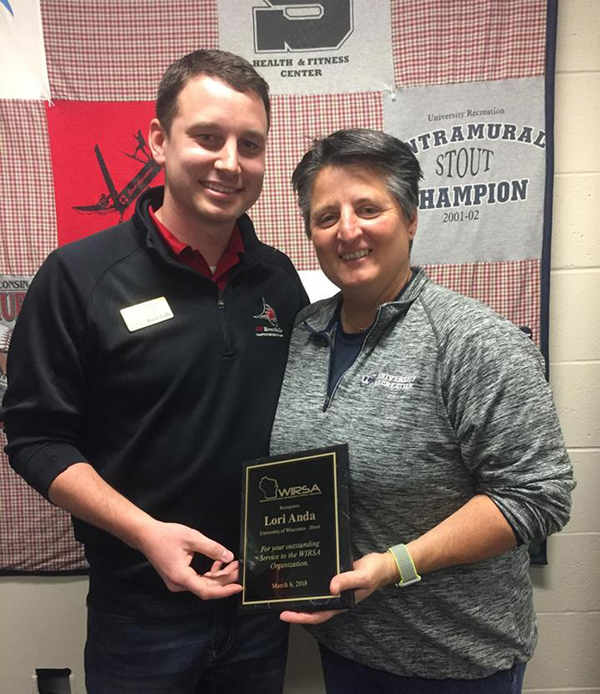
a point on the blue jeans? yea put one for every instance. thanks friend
(343, 676)
(212, 654)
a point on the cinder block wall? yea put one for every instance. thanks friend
(43, 620)
(568, 591)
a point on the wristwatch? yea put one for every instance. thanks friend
(406, 566)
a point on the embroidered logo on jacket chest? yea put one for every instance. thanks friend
(389, 381)
(269, 327)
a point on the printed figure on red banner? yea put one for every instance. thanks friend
(145, 369)
(457, 461)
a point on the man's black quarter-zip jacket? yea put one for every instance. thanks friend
(167, 413)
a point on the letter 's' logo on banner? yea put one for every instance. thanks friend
(296, 26)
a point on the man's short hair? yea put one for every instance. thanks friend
(235, 71)
(384, 154)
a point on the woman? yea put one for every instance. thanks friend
(456, 456)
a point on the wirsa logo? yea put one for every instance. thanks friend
(272, 491)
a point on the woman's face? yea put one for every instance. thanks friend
(359, 231)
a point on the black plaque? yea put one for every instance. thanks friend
(295, 531)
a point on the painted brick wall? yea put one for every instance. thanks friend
(568, 591)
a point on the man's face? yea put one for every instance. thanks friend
(214, 155)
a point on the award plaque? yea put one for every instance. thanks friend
(295, 534)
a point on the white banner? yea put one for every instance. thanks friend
(22, 55)
(317, 285)
(303, 47)
(482, 147)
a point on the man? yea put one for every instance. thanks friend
(141, 377)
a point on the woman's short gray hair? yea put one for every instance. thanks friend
(388, 156)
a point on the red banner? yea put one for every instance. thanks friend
(101, 162)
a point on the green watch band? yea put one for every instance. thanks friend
(406, 566)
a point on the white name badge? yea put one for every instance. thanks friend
(147, 313)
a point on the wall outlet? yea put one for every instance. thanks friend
(53, 681)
